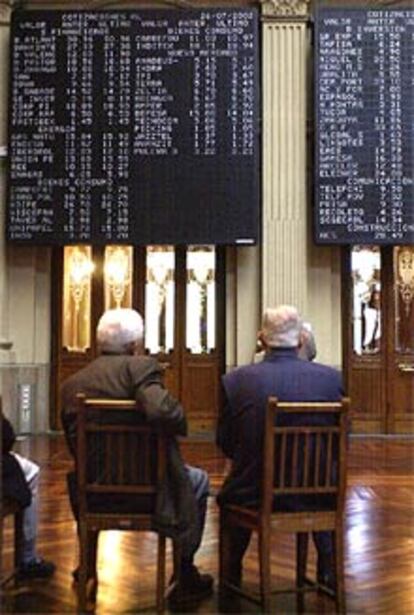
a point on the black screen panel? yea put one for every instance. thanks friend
(364, 126)
(134, 127)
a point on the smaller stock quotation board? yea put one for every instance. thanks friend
(135, 127)
(364, 126)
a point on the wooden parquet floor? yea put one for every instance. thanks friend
(379, 539)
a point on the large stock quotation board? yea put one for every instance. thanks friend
(364, 172)
(134, 127)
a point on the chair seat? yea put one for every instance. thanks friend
(9, 507)
(309, 521)
(114, 521)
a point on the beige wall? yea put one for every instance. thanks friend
(286, 268)
(24, 301)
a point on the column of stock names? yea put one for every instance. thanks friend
(365, 126)
(134, 126)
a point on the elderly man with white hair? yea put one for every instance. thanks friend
(122, 371)
(281, 373)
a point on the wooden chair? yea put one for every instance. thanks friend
(304, 455)
(10, 507)
(120, 461)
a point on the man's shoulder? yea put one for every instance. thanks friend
(242, 370)
(113, 362)
(143, 363)
(323, 369)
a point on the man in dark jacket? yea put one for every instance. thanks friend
(20, 481)
(122, 371)
(241, 425)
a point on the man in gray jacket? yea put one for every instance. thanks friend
(122, 371)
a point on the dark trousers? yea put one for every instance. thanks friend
(200, 485)
(239, 538)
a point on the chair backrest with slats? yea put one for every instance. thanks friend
(304, 454)
(120, 459)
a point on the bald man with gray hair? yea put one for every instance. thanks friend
(246, 390)
(123, 371)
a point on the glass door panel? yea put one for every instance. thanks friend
(201, 299)
(400, 373)
(160, 299)
(404, 298)
(366, 299)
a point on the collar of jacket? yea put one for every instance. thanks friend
(273, 354)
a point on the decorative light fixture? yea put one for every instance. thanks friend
(80, 270)
(117, 272)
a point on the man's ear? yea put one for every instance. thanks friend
(260, 339)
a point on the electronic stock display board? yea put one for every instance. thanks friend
(137, 127)
(364, 98)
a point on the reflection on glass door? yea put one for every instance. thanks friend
(366, 299)
(404, 298)
(201, 299)
(159, 299)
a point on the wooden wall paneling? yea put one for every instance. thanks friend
(368, 399)
(200, 382)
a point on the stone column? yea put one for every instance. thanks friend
(285, 199)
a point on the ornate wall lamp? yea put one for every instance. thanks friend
(78, 269)
(118, 276)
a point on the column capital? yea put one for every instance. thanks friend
(5, 13)
(286, 9)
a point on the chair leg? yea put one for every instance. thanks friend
(339, 569)
(302, 539)
(161, 574)
(176, 562)
(18, 541)
(83, 565)
(224, 552)
(264, 564)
